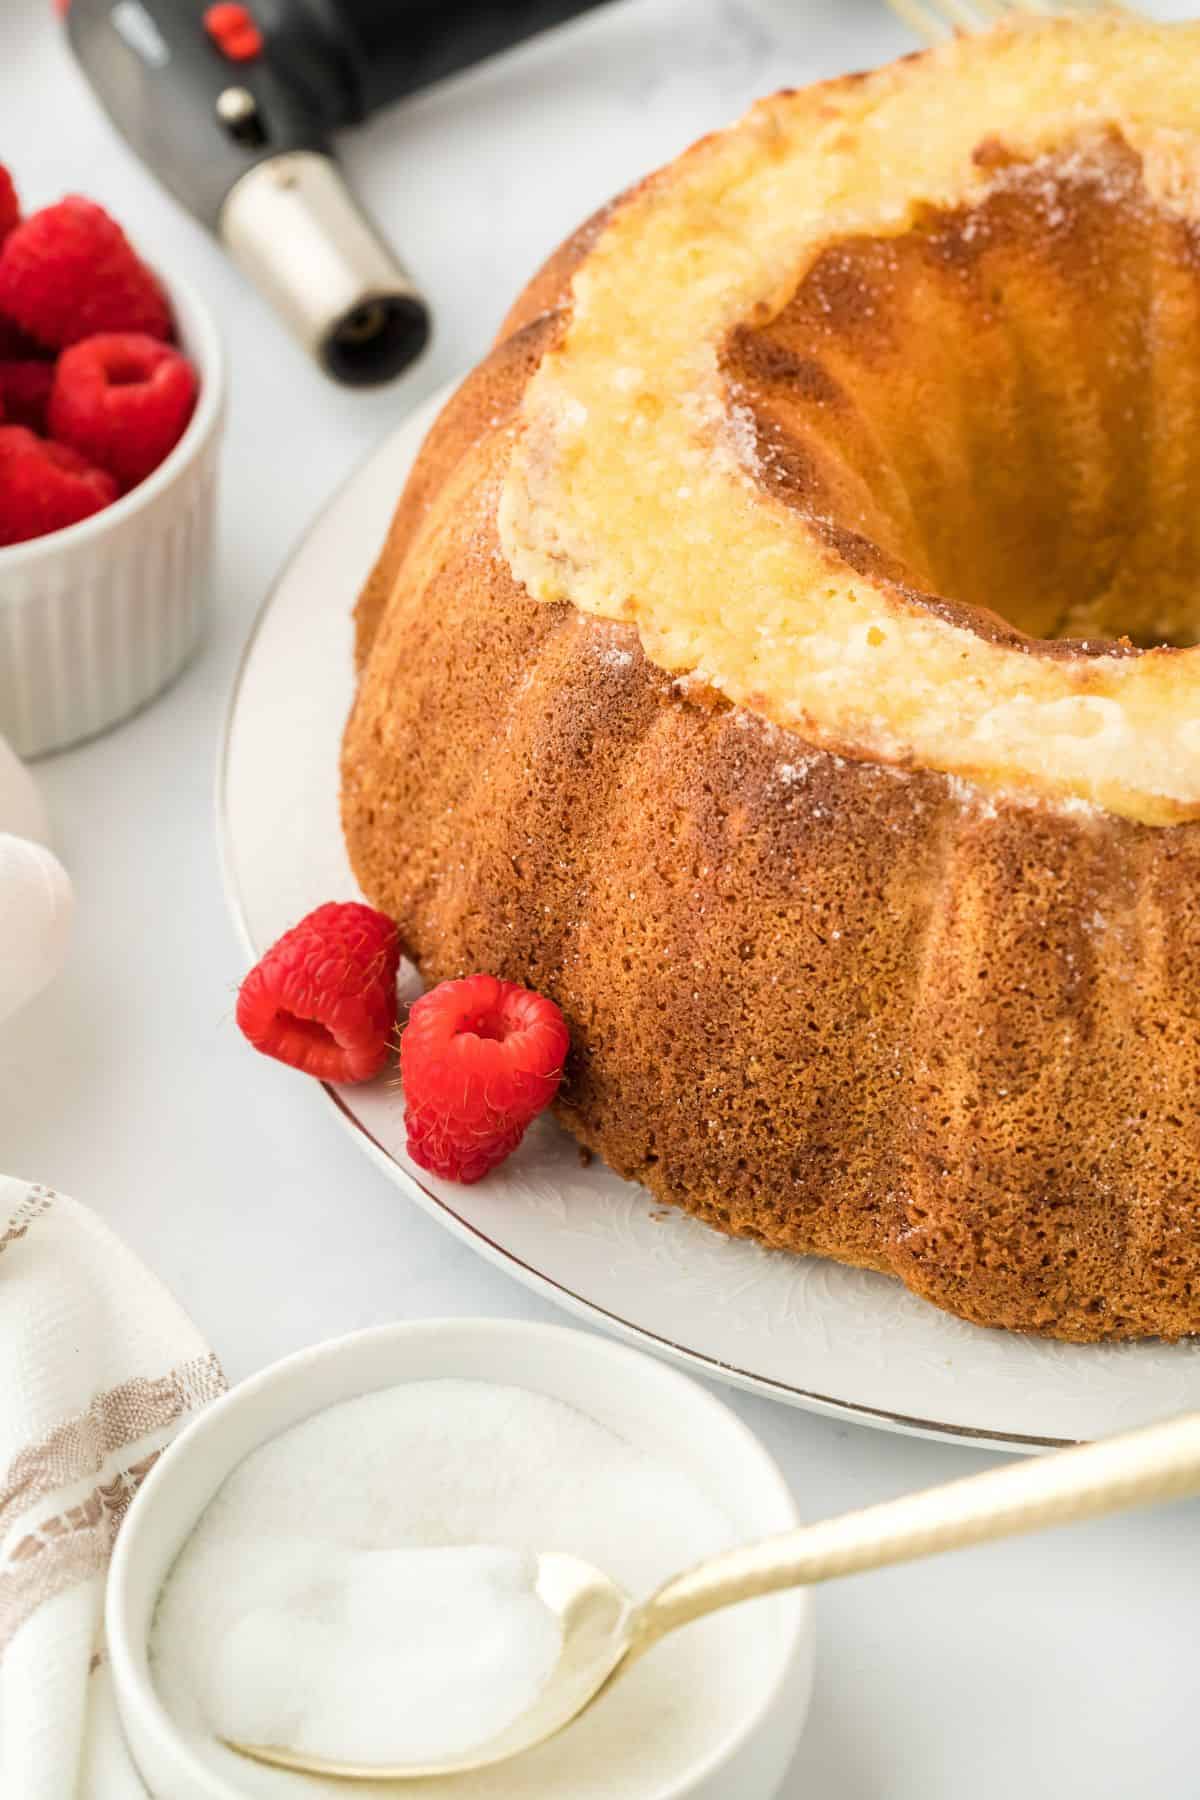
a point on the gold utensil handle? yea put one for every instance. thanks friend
(1161, 1462)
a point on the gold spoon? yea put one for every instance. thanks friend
(604, 1632)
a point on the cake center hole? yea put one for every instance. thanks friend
(999, 405)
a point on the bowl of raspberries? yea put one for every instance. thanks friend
(111, 401)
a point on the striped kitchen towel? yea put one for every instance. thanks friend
(99, 1369)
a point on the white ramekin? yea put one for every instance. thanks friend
(647, 1402)
(97, 619)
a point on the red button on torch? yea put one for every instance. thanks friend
(234, 32)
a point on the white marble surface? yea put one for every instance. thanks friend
(1059, 1667)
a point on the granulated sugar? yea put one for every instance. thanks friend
(383, 1656)
(303, 1605)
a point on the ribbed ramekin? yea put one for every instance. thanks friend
(98, 619)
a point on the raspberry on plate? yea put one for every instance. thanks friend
(323, 999)
(25, 393)
(44, 487)
(479, 1059)
(124, 400)
(68, 272)
(10, 206)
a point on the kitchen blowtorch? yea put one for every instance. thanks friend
(234, 108)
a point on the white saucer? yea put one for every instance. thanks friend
(836, 1340)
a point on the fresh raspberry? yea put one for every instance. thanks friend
(25, 392)
(44, 487)
(123, 400)
(69, 271)
(10, 206)
(17, 345)
(480, 1059)
(324, 997)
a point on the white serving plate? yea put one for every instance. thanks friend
(836, 1340)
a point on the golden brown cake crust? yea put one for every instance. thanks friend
(836, 1006)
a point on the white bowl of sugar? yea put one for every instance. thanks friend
(404, 1442)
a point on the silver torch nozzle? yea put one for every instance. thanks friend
(296, 229)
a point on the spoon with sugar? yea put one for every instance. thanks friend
(600, 1632)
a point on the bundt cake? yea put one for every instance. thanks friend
(782, 655)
